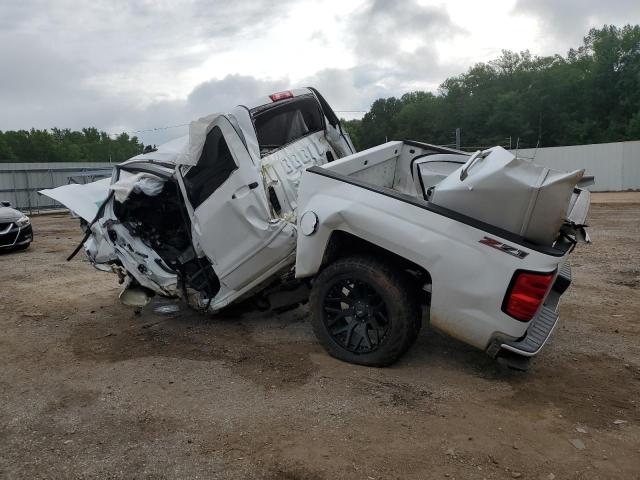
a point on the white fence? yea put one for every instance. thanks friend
(20, 182)
(616, 166)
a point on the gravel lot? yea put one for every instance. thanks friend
(89, 389)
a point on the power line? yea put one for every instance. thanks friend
(160, 128)
(155, 129)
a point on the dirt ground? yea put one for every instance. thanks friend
(89, 389)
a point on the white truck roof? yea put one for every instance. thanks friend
(185, 150)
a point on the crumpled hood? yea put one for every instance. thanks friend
(8, 214)
(186, 150)
(83, 199)
(183, 150)
(167, 152)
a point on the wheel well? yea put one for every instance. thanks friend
(342, 244)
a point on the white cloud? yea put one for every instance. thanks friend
(132, 65)
(568, 21)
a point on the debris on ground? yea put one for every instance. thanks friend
(301, 413)
(576, 442)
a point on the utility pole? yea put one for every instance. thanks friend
(458, 138)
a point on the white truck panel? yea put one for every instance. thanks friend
(366, 159)
(283, 168)
(469, 278)
(538, 196)
(273, 200)
(84, 199)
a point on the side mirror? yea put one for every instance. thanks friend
(5, 204)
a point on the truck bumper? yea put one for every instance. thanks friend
(516, 353)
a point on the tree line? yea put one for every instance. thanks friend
(65, 145)
(591, 95)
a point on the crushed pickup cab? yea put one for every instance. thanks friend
(270, 201)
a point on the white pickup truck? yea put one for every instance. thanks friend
(270, 201)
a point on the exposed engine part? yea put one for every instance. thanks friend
(198, 274)
(162, 226)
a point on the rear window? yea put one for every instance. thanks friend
(287, 121)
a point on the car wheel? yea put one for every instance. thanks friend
(364, 311)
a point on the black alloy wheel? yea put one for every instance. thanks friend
(355, 315)
(364, 310)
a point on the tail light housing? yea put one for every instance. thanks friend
(526, 293)
(281, 95)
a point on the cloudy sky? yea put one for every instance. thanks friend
(138, 65)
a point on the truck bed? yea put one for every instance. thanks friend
(371, 196)
(387, 166)
(387, 169)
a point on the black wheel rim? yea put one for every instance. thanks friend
(355, 316)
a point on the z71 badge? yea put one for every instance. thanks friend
(503, 247)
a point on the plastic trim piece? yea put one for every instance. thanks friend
(537, 335)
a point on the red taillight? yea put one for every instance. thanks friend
(527, 294)
(281, 95)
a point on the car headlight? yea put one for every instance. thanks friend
(23, 221)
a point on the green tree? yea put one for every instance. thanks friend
(66, 145)
(6, 154)
(590, 95)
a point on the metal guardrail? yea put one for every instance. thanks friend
(20, 185)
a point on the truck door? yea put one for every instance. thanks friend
(231, 222)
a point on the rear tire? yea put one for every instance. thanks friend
(364, 311)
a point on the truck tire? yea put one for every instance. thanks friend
(364, 311)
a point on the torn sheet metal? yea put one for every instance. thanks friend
(198, 131)
(84, 200)
(166, 152)
(499, 189)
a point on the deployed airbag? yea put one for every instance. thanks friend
(499, 189)
(147, 183)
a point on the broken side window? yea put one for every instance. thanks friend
(286, 122)
(214, 166)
